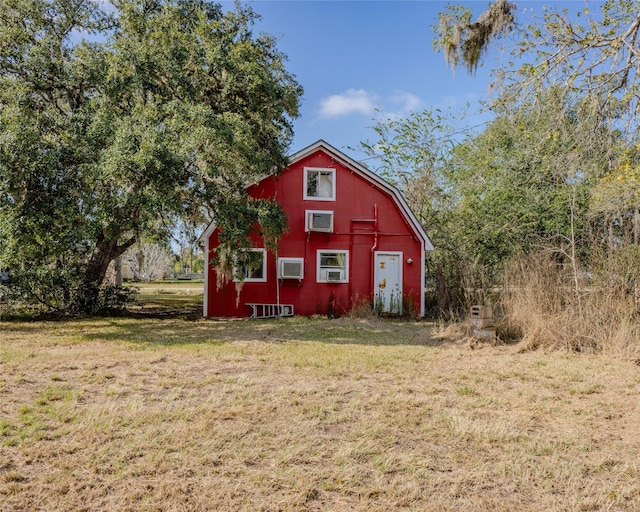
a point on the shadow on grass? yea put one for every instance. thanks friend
(347, 331)
(169, 318)
(150, 330)
(164, 305)
(177, 331)
(157, 326)
(286, 330)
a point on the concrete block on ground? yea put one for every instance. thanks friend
(487, 334)
(481, 323)
(481, 312)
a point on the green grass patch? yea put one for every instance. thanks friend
(167, 295)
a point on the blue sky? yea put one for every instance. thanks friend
(355, 58)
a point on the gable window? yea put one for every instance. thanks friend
(251, 266)
(333, 267)
(319, 184)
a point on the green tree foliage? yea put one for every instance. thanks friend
(522, 183)
(111, 119)
(570, 152)
(525, 180)
(615, 207)
(410, 153)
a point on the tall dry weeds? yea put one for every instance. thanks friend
(554, 306)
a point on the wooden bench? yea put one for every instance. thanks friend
(270, 310)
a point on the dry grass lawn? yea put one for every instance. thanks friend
(307, 414)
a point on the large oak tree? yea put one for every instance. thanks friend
(115, 116)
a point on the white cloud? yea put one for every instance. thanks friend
(352, 101)
(360, 101)
(403, 104)
(409, 102)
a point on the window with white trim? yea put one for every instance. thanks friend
(333, 267)
(251, 266)
(319, 184)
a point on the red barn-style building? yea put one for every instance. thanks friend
(351, 237)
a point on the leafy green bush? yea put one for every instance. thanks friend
(59, 291)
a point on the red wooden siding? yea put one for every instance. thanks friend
(359, 207)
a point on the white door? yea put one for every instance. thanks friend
(387, 286)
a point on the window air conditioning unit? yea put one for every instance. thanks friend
(320, 221)
(291, 269)
(334, 275)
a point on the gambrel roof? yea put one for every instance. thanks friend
(367, 175)
(374, 179)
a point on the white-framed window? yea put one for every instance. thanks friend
(319, 184)
(332, 266)
(290, 268)
(318, 220)
(253, 268)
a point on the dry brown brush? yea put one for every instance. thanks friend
(557, 306)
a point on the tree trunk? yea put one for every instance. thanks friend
(88, 294)
(141, 269)
(117, 281)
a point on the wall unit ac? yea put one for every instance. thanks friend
(335, 275)
(320, 221)
(290, 268)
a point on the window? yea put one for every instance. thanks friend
(290, 268)
(319, 184)
(252, 266)
(333, 267)
(319, 220)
